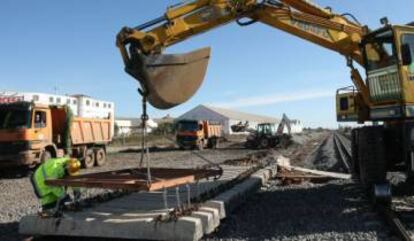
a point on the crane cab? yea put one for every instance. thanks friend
(389, 65)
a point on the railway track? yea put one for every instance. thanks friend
(399, 214)
(343, 150)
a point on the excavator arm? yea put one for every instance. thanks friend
(169, 80)
(284, 122)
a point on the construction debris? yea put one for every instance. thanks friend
(322, 173)
(289, 177)
(241, 162)
(284, 163)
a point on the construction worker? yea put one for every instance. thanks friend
(52, 198)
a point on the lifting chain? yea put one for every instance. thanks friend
(144, 147)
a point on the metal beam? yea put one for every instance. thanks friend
(136, 179)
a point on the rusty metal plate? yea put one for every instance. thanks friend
(169, 79)
(136, 179)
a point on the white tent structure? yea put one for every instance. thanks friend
(226, 117)
(128, 126)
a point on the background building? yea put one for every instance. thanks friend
(165, 120)
(81, 105)
(296, 126)
(226, 117)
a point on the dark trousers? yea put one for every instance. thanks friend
(59, 203)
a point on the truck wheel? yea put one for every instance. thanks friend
(354, 151)
(200, 145)
(264, 143)
(100, 157)
(89, 160)
(216, 144)
(371, 155)
(45, 156)
(210, 143)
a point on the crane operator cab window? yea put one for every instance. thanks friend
(40, 119)
(407, 52)
(380, 51)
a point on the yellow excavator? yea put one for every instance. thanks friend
(384, 97)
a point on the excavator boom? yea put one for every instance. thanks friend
(170, 80)
(385, 94)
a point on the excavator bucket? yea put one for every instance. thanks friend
(169, 79)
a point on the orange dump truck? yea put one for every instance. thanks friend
(198, 134)
(32, 133)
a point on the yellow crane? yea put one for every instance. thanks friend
(385, 95)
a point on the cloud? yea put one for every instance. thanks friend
(275, 98)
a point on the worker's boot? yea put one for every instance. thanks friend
(76, 205)
(60, 205)
(48, 210)
(46, 213)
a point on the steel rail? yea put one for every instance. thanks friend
(395, 222)
(386, 211)
(343, 151)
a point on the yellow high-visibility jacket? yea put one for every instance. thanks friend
(52, 169)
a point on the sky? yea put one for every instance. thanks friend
(68, 47)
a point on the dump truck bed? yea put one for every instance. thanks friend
(82, 130)
(212, 129)
(87, 130)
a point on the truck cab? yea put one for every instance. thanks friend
(25, 134)
(198, 134)
(31, 133)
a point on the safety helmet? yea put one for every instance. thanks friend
(73, 166)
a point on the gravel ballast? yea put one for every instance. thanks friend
(334, 210)
(329, 211)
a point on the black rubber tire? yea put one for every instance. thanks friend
(210, 143)
(354, 151)
(371, 155)
(200, 145)
(46, 155)
(264, 143)
(100, 157)
(216, 143)
(89, 160)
